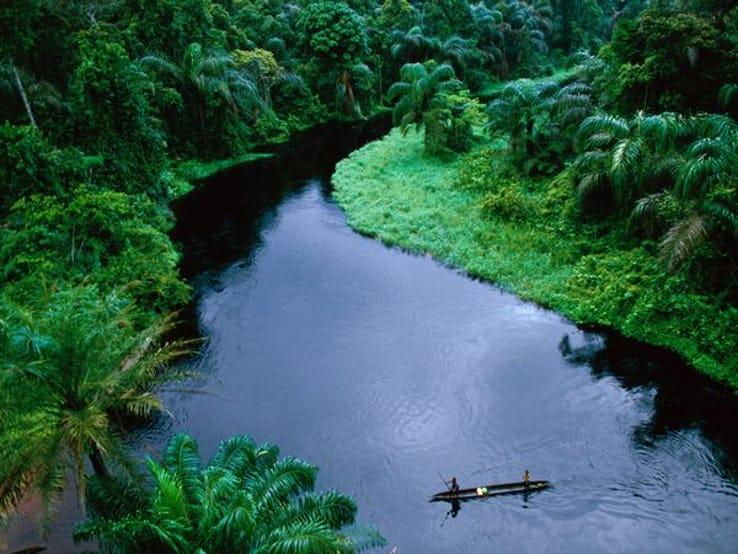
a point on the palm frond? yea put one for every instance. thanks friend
(728, 94)
(616, 127)
(723, 214)
(304, 536)
(183, 458)
(682, 240)
(592, 182)
(645, 211)
(288, 477)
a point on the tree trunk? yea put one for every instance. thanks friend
(22, 92)
(529, 137)
(98, 462)
(202, 124)
(349, 100)
(381, 91)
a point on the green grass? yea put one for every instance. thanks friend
(523, 234)
(195, 170)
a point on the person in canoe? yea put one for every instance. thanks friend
(526, 479)
(454, 487)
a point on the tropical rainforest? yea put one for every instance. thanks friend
(583, 153)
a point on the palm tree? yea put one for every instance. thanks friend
(263, 69)
(457, 52)
(572, 104)
(514, 112)
(354, 81)
(675, 172)
(209, 81)
(245, 499)
(418, 85)
(490, 38)
(74, 373)
(616, 154)
(413, 45)
(709, 170)
(525, 28)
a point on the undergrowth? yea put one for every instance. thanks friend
(475, 212)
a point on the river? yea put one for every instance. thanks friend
(387, 369)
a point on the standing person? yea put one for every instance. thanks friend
(454, 485)
(526, 479)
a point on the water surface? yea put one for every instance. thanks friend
(386, 369)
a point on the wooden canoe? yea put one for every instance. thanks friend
(492, 490)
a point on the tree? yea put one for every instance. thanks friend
(334, 35)
(36, 97)
(578, 24)
(430, 95)
(525, 29)
(675, 174)
(489, 38)
(616, 156)
(32, 165)
(9, 79)
(450, 122)
(112, 115)
(447, 17)
(515, 111)
(216, 97)
(457, 52)
(114, 239)
(413, 46)
(245, 499)
(418, 85)
(666, 60)
(73, 371)
(540, 119)
(397, 14)
(169, 26)
(265, 71)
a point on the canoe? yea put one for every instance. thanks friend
(492, 490)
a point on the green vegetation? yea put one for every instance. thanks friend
(479, 213)
(606, 187)
(245, 499)
(197, 170)
(76, 370)
(592, 200)
(109, 111)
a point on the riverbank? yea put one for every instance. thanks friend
(473, 214)
(187, 172)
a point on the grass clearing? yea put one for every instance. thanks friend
(473, 213)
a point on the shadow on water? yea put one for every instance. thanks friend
(682, 398)
(225, 220)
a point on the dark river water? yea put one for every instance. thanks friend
(386, 369)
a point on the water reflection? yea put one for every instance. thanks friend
(385, 368)
(682, 400)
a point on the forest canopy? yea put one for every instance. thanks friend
(628, 106)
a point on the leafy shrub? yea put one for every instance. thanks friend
(111, 238)
(450, 122)
(31, 164)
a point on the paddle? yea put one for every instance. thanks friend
(444, 481)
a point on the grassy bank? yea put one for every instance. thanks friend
(196, 170)
(475, 213)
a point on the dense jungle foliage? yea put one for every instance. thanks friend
(604, 186)
(108, 107)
